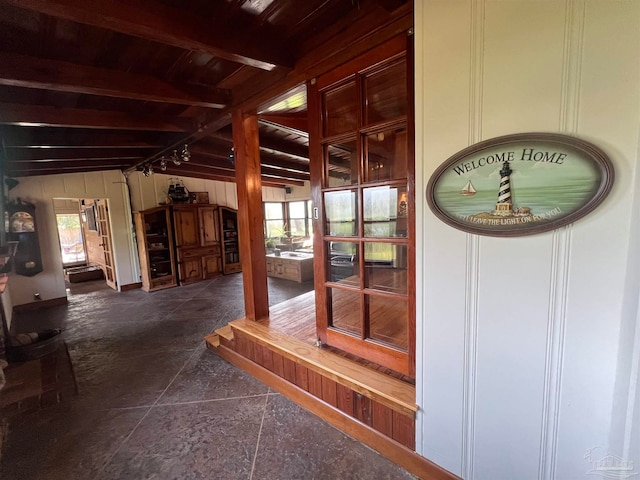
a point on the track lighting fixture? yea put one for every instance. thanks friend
(174, 158)
(177, 159)
(185, 154)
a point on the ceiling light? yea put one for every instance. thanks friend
(185, 154)
(174, 158)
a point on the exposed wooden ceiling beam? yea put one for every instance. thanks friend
(220, 174)
(49, 168)
(76, 154)
(49, 138)
(153, 20)
(44, 116)
(30, 72)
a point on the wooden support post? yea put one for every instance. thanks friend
(250, 214)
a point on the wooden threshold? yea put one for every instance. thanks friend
(383, 444)
(391, 392)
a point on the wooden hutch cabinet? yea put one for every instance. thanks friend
(197, 242)
(156, 248)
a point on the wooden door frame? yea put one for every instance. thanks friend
(399, 45)
(109, 240)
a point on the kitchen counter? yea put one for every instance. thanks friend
(295, 266)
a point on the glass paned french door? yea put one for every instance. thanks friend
(365, 293)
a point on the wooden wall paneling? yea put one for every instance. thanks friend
(278, 364)
(315, 383)
(329, 391)
(345, 399)
(250, 216)
(302, 376)
(267, 358)
(258, 354)
(289, 370)
(363, 409)
(404, 430)
(382, 419)
(245, 347)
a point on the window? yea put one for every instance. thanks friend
(274, 224)
(291, 219)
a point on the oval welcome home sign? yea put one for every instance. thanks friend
(520, 184)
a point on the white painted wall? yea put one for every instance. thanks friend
(125, 195)
(529, 348)
(148, 192)
(41, 191)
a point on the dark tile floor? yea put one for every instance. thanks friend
(153, 403)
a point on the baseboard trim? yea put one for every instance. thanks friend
(387, 447)
(130, 286)
(52, 302)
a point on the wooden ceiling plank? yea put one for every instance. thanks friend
(155, 21)
(276, 172)
(390, 5)
(45, 116)
(272, 145)
(45, 74)
(298, 123)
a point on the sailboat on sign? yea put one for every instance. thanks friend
(468, 189)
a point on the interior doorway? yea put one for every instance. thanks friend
(85, 240)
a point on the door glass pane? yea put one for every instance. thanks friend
(386, 155)
(388, 320)
(385, 211)
(343, 263)
(340, 110)
(386, 92)
(340, 211)
(70, 233)
(342, 163)
(345, 310)
(385, 266)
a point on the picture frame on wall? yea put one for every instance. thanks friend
(520, 184)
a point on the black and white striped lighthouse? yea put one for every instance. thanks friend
(504, 205)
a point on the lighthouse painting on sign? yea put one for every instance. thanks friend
(520, 184)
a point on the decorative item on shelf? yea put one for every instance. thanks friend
(177, 191)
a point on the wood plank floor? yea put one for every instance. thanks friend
(297, 317)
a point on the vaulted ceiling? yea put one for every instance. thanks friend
(91, 85)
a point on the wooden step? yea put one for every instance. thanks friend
(386, 390)
(221, 334)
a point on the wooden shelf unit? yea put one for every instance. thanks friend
(156, 248)
(229, 240)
